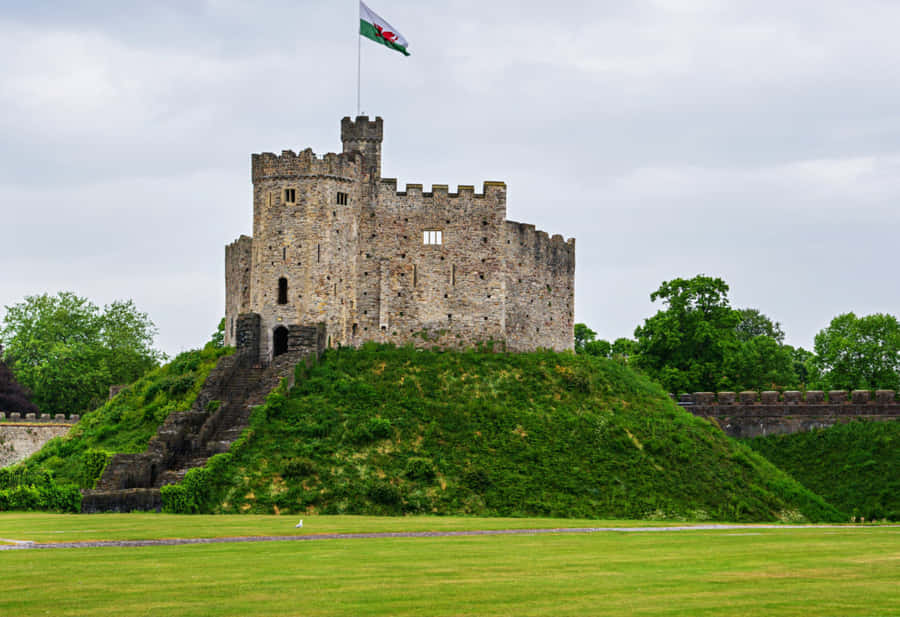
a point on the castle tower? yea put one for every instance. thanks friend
(336, 244)
(364, 136)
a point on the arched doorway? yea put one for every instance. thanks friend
(280, 341)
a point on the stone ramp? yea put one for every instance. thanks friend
(187, 439)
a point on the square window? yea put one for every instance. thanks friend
(432, 236)
(290, 196)
(342, 199)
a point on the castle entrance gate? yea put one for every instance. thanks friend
(280, 340)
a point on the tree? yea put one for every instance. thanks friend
(700, 343)
(217, 340)
(68, 352)
(803, 363)
(759, 363)
(13, 397)
(685, 345)
(753, 323)
(859, 352)
(583, 335)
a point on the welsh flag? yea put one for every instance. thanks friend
(374, 27)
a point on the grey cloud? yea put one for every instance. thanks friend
(756, 140)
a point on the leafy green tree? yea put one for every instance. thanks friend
(600, 348)
(698, 342)
(217, 340)
(583, 336)
(803, 364)
(859, 352)
(759, 363)
(13, 397)
(68, 352)
(623, 349)
(754, 323)
(685, 345)
(586, 342)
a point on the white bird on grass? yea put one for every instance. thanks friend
(300, 524)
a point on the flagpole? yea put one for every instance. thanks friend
(358, 69)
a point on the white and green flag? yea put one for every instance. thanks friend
(374, 27)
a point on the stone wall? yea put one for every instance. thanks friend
(449, 294)
(247, 337)
(349, 248)
(540, 289)
(238, 260)
(752, 414)
(19, 440)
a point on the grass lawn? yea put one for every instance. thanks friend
(41, 527)
(818, 572)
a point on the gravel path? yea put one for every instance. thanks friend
(24, 545)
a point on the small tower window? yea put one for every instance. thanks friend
(432, 236)
(282, 291)
(342, 199)
(290, 196)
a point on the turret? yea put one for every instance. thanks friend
(364, 136)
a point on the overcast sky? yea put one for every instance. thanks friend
(755, 140)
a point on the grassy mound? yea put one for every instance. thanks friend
(382, 430)
(854, 466)
(126, 422)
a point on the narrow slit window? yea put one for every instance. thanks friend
(432, 236)
(290, 196)
(282, 291)
(453, 274)
(415, 275)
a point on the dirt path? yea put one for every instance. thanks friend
(25, 545)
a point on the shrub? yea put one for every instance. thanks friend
(24, 489)
(380, 428)
(195, 492)
(418, 468)
(299, 468)
(95, 462)
(384, 494)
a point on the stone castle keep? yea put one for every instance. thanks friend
(334, 243)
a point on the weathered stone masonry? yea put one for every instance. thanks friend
(335, 243)
(752, 414)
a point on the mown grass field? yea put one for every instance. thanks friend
(42, 527)
(821, 571)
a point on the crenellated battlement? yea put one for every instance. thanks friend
(490, 189)
(362, 129)
(791, 397)
(539, 243)
(242, 243)
(270, 166)
(751, 413)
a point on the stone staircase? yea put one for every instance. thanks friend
(187, 439)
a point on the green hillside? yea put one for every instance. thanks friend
(854, 466)
(126, 422)
(389, 431)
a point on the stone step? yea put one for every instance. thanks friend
(188, 438)
(126, 500)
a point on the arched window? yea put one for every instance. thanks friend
(280, 340)
(282, 291)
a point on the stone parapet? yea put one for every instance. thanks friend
(793, 397)
(750, 414)
(290, 165)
